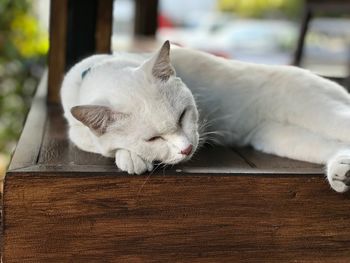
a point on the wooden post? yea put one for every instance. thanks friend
(78, 28)
(146, 17)
(58, 40)
(104, 26)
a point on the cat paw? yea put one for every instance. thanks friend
(338, 173)
(131, 162)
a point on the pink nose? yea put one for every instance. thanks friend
(188, 150)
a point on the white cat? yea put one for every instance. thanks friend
(141, 108)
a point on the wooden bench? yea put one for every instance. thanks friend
(226, 205)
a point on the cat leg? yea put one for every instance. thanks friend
(301, 144)
(131, 162)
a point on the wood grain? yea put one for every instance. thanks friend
(200, 218)
(57, 52)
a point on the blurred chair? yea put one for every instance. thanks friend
(311, 8)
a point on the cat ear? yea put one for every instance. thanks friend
(96, 117)
(159, 65)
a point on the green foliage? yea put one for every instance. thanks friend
(8, 11)
(22, 47)
(262, 8)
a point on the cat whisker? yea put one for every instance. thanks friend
(206, 124)
(221, 133)
(155, 167)
(146, 180)
(164, 167)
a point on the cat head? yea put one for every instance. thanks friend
(144, 108)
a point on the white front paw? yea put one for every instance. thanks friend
(131, 162)
(338, 173)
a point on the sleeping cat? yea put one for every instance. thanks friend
(140, 108)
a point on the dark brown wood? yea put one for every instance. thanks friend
(81, 30)
(57, 52)
(104, 24)
(78, 28)
(146, 17)
(195, 218)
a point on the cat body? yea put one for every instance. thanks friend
(152, 101)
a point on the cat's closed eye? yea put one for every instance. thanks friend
(154, 138)
(182, 116)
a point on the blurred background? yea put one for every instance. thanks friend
(260, 31)
(23, 47)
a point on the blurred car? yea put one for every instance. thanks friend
(237, 38)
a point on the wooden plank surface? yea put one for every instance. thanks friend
(263, 161)
(109, 218)
(44, 146)
(57, 152)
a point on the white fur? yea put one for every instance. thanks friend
(153, 107)
(281, 110)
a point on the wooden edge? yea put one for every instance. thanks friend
(76, 220)
(90, 170)
(28, 146)
(57, 52)
(104, 24)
